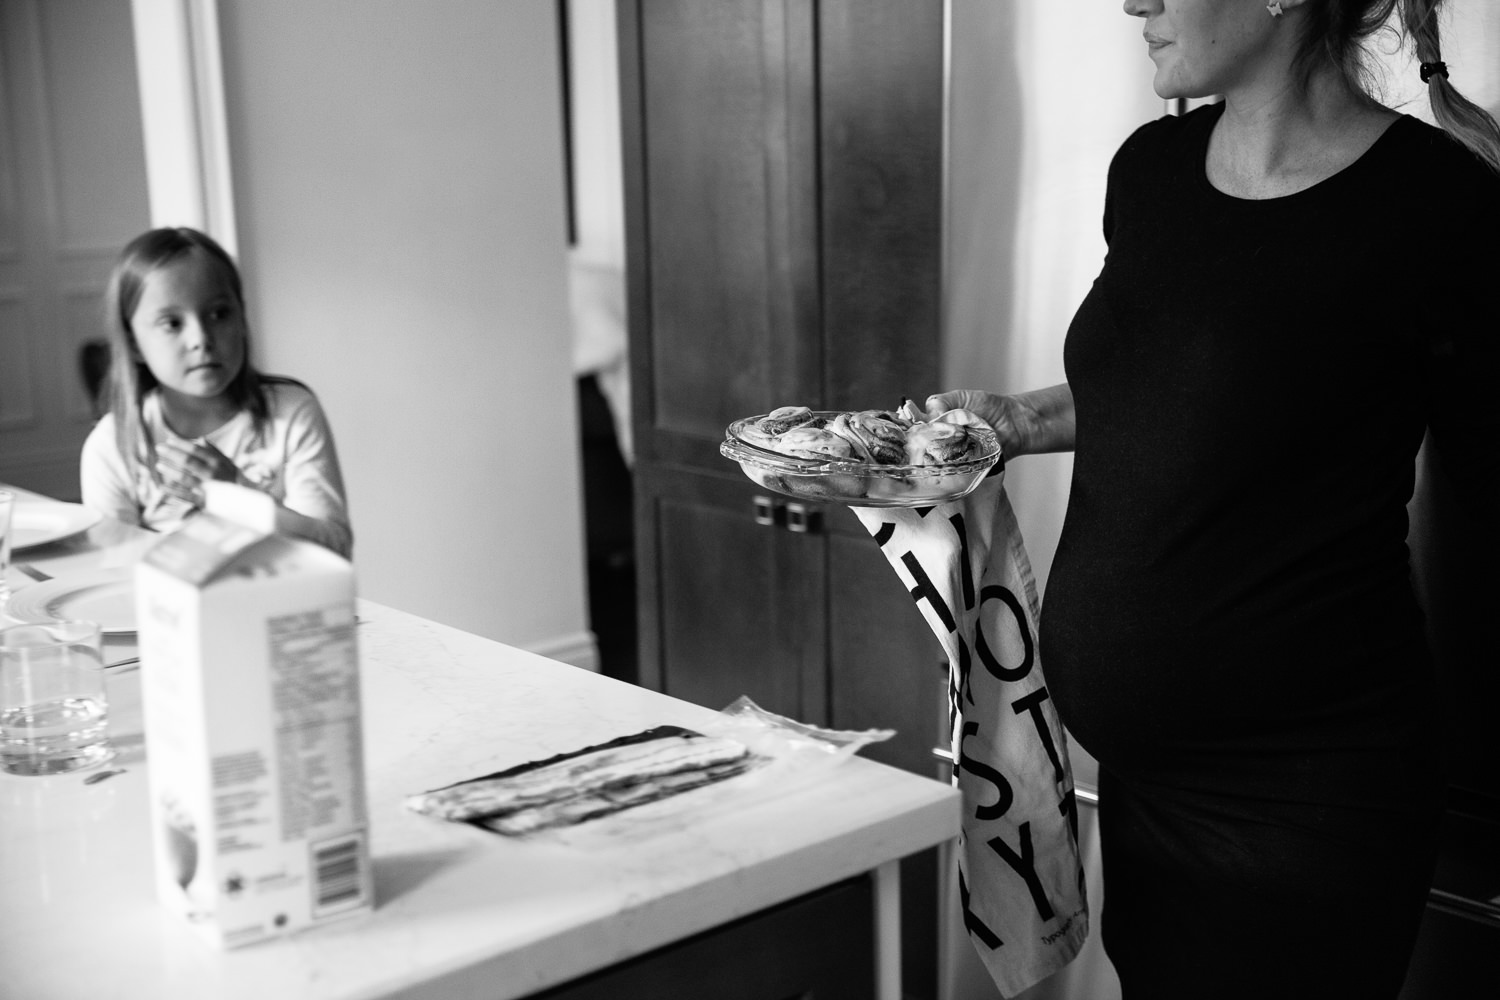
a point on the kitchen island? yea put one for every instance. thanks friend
(461, 912)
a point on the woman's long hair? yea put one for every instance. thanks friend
(129, 379)
(1336, 31)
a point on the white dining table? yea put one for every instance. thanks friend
(460, 912)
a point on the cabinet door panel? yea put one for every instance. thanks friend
(881, 108)
(818, 946)
(887, 668)
(740, 604)
(730, 216)
(782, 169)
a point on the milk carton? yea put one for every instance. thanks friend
(250, 690)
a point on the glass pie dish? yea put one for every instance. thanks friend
(859, 483)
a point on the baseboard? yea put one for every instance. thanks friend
(581, 649)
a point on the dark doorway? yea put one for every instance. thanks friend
(610, 534)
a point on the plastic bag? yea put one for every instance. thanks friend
(579, 800)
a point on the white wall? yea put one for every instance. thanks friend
(1042, 94)
(399, 196)
(1470, 34)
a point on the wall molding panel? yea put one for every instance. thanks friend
(73, 191)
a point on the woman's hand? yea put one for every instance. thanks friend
(185, 466)
(1029, 423)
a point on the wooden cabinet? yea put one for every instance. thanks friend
(783, 189)
(821, 945)
(815, 625)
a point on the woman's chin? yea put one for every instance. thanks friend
(1166, 89)
(1169, 88)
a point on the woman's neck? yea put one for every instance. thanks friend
(1271, 143)
(192, 416)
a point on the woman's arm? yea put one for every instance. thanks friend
(1028, 423)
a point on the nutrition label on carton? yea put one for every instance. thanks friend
(315, 694)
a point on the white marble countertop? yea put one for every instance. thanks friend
(459, 912)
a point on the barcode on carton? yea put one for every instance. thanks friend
(339, 876)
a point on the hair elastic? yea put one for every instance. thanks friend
(1434, 69)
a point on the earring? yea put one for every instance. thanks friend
(1274, 8)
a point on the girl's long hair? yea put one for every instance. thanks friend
(129, 380)
(1336, 31)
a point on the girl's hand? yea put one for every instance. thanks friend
(185, 466)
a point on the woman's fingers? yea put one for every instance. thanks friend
(985, 405)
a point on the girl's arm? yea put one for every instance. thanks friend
(310, 500)
(328, 532)
(314, 507)
(1028, 423)
(107, 484)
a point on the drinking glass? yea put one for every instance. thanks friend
(53, 715)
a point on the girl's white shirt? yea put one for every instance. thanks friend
(294, 461)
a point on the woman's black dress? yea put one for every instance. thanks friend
(1229, 625)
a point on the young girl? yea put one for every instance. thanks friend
(187, 406)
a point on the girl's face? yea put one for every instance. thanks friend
(189, 327)
(1206, 47)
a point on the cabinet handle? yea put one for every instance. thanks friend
(797, 517)
(800, 519)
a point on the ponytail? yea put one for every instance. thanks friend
(1460, 117)
(1334, 32)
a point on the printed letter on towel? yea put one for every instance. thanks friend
(1020, 881)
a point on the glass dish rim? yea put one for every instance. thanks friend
(737, 448)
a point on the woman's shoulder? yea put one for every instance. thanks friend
(1427, 155)
(1166, 145)
(1171, 128)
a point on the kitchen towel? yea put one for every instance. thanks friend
(1021, 884)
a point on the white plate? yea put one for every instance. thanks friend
(104, 596)
(40, 523)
